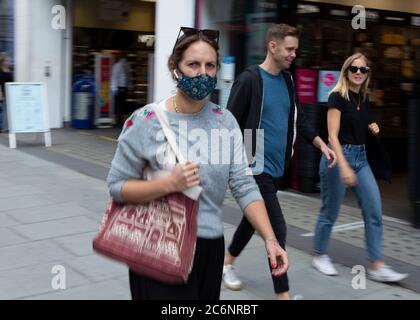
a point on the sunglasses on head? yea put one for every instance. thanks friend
(354, 69)
(212, 35)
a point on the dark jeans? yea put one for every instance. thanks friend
(203, 283)
(268, 187)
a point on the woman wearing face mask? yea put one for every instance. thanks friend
(193, 64)
(349, 124)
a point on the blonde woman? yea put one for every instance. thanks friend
(348, 126)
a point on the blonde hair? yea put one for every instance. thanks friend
(342, 86)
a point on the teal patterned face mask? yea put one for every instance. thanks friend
(197, 87)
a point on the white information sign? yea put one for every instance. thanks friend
(27, 110)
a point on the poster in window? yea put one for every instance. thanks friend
(327, 81)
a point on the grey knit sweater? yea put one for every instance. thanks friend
(209, 137)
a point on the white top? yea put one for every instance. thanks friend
(120, 76)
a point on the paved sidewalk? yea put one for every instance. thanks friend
(49, 214)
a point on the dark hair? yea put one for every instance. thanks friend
(183, 43)
(121, 55)
(280, 31)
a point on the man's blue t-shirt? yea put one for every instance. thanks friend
(275, 120)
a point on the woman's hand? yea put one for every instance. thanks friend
(330, 155)
(348, 176)
(185, 176)
(374, 128)
(278, 257)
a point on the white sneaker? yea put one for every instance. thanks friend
(386, 274)
(323, 264)
(230, 279)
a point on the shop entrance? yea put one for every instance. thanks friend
(113, 46)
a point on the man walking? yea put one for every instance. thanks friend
(120, 83)
(263, 97)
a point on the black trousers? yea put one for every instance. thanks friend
(119, 105)
(203, 283)
(268, 187)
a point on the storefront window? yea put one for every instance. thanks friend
(242, 24)
(391, 41)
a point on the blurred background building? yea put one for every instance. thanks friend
(59, 42)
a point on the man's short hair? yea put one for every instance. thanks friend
(280, 31)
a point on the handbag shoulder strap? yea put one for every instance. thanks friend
(193, 192)
(169, 134)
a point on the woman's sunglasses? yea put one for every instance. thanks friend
(354, 69)
(212, 35)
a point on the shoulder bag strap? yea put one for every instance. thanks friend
(193, 192)
(169, 134)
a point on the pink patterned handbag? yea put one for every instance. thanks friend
(155, 239)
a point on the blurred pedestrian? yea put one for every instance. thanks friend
(193, 64)
(121, 82)
(6, 75)
(349, 124)
(264, 97)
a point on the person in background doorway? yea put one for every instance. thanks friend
(6, 75)
(349, 124)
(120, 83)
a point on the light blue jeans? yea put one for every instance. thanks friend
(367, 193)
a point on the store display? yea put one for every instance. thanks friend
(138, 62)
(137, 95)
(136, 45)
(393, 53)
(407, 68)
(377, 97)
(393, 38)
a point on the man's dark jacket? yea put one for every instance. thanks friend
(246, 103)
